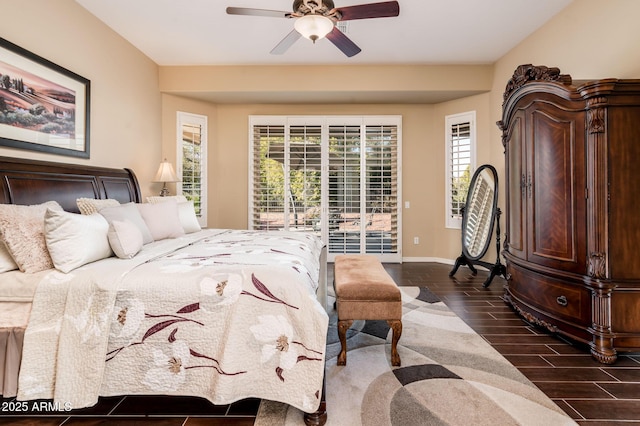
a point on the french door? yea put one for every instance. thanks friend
(337, 177)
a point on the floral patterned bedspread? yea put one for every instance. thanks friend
(220, 314)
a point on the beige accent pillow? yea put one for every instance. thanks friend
(22, 229)
(6, 261)
(188, 218)
(159, 199)
(74, 239)
(186, 211)
(129, 212)
(125, 238)
(162, 219)
(92, 205)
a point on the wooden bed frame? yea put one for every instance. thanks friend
(33, 182)
(28, 182)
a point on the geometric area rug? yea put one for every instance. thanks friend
(449, 376)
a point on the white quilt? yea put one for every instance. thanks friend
(219, 314)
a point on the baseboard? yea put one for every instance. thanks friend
(436, 260)
(429, 259)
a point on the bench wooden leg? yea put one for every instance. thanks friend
(396, 326)
(343, 326)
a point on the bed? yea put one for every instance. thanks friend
(215, 313)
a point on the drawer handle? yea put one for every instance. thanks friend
(562, 301)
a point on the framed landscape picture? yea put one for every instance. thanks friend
(43, 106)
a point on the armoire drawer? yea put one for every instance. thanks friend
(552, 297)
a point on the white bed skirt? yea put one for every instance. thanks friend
(12, 325)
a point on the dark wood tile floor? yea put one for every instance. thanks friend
(591, 393)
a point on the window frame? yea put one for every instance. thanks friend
(451, 121)
(183, 118)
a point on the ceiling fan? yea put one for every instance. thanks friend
(316, 19)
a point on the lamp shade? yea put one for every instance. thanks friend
(165, 173)
(313, 27)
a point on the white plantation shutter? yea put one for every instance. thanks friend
(267, 180)
(345, 189)
(382, 189)
(191, 164)
(334, 176)
(460, 131)
(305, 177)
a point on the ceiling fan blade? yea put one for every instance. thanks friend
(286, 43)
(371, 10)
(343, 42)
(257, 12)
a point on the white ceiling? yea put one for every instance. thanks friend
(199, 32)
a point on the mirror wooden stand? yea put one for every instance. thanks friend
(479, 215)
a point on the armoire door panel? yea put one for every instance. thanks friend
(623, 189)
(517, 189)
(557, 205)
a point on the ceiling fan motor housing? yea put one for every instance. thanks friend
(313, 7)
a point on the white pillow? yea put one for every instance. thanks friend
(162, 219)
(92, 205)
(6, 261)
(125, 238)
(186, 211)
(129, 212)
(22, 229)
(188, 218)
(159, 199)
(74, 239)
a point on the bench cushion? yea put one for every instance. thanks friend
(364, 290)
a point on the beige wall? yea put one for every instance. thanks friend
(133, 125)
(445, 242)
(354, 84)
(423, 157)
(125, 103)
(589, 39)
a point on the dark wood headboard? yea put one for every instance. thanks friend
(33, 182)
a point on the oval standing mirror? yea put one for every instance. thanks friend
(479, 215)
(479, 212)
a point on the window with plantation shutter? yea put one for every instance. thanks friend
(191, 164)
(460, 141)
(337, 177)
(268, 190)
(381, 199)
(345, 189)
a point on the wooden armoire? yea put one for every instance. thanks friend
(572, 244)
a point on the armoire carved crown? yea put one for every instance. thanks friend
(528, 72)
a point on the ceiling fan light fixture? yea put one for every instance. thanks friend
(314, 27)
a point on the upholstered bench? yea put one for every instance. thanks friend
(365, 291)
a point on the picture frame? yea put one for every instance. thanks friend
(43, 106)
